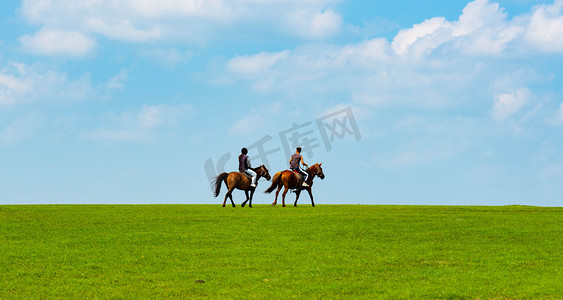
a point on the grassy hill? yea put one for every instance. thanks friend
(190, 251)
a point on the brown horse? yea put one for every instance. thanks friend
(290, 180)
(236, 180)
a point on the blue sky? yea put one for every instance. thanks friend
(455, 102)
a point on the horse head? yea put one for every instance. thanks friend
(265, 172)
(318, 170)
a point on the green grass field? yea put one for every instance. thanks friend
(154, 251)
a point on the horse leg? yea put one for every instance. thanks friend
(246, 194)
(230, 194)
(297, 193)
(277, 192)
(226, 196)
(283, 196)
(251, 195)
(311, 195)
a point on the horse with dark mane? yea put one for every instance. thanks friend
(290, 180)
(237, 180)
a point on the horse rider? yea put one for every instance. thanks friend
(244, 166)
(294, 161)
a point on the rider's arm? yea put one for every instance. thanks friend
(303, 163)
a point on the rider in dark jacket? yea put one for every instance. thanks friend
(245, 167)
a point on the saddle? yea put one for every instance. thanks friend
(245, 174)
(298, 175)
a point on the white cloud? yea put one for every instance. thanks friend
(490, 42)
(45, 11)
(170, 57)
(557, 119)
(21, 128)
(325, 24)
(247, 125)
(315, 25)
(431, 65)
(418, 153)
(20, 83)
(58, 42)
(13, 84)
(121, 135)
(157, 9)
(255, 64)
(122, 30)
(545, 29)
(192, 20)
(426, 30)
(159, 115)
(359, 113)
(260, 117)
(476, 15)
(364, 54)
(363, 68)
(141, 126)
(482, 29)
(510, 103)
(309, 62)
(116, 82)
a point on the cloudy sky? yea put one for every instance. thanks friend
(404, 102)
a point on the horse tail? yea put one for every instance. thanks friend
(217, 183)
(275, 182)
